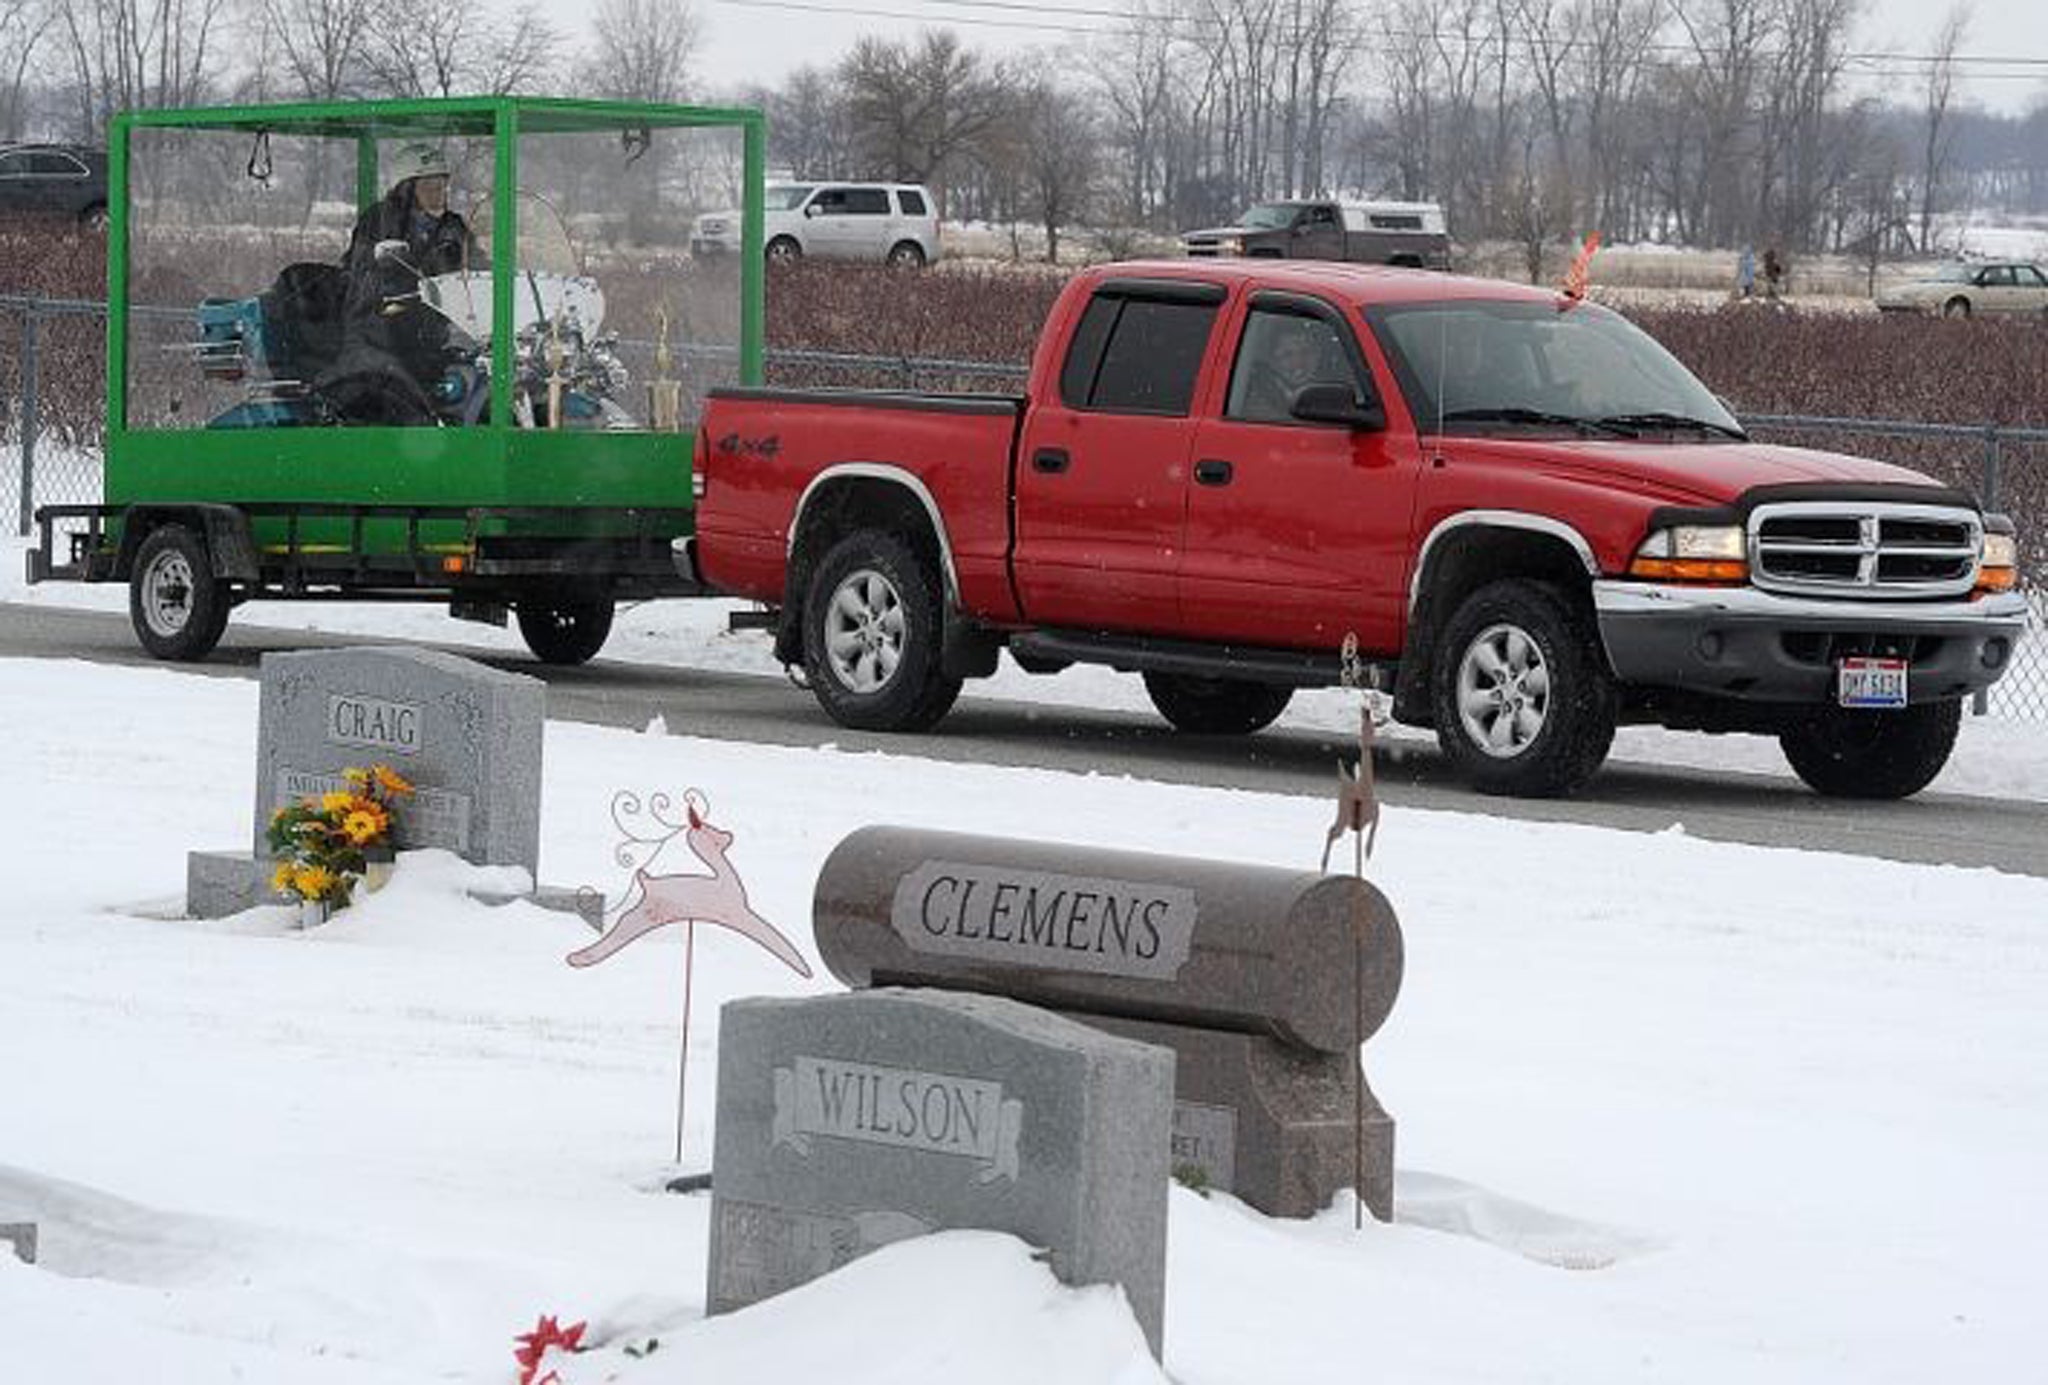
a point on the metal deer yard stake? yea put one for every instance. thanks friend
(1358, 812)
(687, 898)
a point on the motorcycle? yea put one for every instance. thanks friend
(307, 363)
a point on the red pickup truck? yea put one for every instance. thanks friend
(1534, 520)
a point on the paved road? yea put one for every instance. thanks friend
(1725, 807)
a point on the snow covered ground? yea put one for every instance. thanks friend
(1997, 756)
(1668, 1109)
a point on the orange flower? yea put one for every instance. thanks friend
(392, 781)
(339, 801)
(362, 827)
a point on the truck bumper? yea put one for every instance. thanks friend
(1756, 646)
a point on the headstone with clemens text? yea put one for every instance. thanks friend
(467, 736)
(847, 1122)
(1264, 982)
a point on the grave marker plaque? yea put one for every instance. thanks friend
(847, 1122)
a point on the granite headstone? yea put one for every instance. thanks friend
(847, 1122)
(467, 736)
(1265, 982)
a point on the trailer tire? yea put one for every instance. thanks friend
(873, 628)
(1217, 706)
(178, 607)
(566, 631)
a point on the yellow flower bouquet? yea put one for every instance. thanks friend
(324, 845)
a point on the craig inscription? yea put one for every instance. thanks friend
(372, 721)
(962, 1116)
(1043, 919)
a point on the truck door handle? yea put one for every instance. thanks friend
(1050, 460)
(1213, 471)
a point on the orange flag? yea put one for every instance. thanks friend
(1576, 277)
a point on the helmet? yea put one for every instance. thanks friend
(417, 160)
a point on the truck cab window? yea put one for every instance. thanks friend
(1136, 355)
(1278, 354)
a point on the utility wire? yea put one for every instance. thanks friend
(1872, 63)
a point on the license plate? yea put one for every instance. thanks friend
(1871, 682)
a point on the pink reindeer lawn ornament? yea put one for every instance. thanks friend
(687, 898)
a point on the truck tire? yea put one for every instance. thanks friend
(906, 254)
(784, 250)
(177, 606)
(1525, 704)
(1856, 752)
(872, 627)
(566, 631)
(1216, 706)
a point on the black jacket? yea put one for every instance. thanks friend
(435, 244)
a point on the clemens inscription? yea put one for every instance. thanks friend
(1045, 919)
(962, 1116)
(374, 722)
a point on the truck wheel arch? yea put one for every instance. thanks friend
(850, 496)
(230, 545)
(1464, 552)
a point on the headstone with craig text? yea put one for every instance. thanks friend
(467, 736)
(848, 1122)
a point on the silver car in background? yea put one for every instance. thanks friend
(1967, 288)
(893, 222)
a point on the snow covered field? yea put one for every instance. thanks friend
(1997, 757)
(1668, 1109)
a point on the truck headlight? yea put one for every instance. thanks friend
(1693, 553)
(1999, 568)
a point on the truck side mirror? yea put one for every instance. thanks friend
(1335, 403)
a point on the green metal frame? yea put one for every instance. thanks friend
(497, 464)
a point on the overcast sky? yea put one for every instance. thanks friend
(763, 40)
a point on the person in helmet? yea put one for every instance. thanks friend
(381, 307)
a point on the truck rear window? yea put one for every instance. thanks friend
(1136, 355)
(911, 202)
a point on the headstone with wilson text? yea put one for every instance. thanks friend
(467, 736)
(847, 1122)
(1264, 982)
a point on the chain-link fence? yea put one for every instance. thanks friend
(54, 360)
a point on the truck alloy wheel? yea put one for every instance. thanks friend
(872, 624)
(179, 610)
(1864, 752)
(1524, 701)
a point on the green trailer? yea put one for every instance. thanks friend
(307, 398)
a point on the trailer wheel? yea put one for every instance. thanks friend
(566, 631)
(1216, 706)
(177, 606)
(872, 624)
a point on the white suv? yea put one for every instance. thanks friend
(896, 222)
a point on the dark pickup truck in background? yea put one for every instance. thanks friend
(1534, 522)
(1411, 234)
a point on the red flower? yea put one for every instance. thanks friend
(535, 1344)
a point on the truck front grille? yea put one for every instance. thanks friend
(1864, 549)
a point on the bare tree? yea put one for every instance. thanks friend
(457, 50)
(808, 126)
(1059, 145)
(917, 110)
(21, 29)
(643, 49)
(136, 54)
(318, 43)
(1936, 95)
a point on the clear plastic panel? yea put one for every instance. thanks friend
(258, 296)
(621, 326)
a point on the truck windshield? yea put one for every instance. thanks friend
(1483, 365)
(1268, 215)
